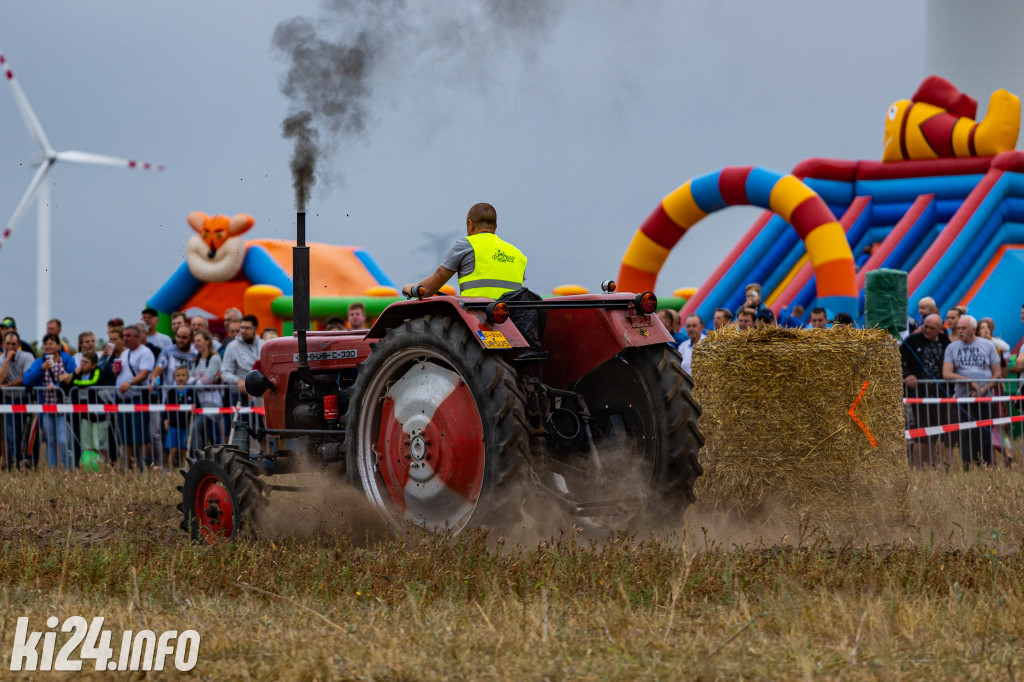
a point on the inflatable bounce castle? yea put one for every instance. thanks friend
(945, 204)
(221, 271)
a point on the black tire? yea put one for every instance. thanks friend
(426, 479)
(644, 420)
(217, 476)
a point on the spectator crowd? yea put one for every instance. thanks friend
(942, 357)
(136, 364)
(958, 356)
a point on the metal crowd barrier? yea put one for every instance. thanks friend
(51, 427)
(944, 429)
(139, 430)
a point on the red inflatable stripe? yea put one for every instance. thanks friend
(811, 213)
(661, 229)
(732, 184)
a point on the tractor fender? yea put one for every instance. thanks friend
(449, 306)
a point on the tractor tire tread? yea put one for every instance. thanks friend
(249, 490)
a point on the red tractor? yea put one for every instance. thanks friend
(444, 417)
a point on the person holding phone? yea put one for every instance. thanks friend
(45, 374)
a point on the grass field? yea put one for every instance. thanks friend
(939, 598)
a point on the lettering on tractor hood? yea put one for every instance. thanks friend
(328, 355)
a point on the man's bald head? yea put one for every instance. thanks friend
(931, 326)
(482, 217)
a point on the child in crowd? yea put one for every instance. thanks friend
(93, 426)
(177, 423)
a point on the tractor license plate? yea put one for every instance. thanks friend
(493, 339)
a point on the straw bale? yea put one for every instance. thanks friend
(779, 440)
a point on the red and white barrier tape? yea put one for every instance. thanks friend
(964, 426)
(950, 401)
(121, 408)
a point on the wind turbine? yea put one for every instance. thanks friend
(45, 159)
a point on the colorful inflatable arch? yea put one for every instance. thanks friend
(786, 195)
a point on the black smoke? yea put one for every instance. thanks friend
(298, 127)
(336, 61)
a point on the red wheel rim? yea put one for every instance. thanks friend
(213, 510)
(430, 446)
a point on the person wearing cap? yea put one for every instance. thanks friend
(334, 323)
(845, 319)
(115, 322)
(150, 316)
(9, 325)
(766, 318)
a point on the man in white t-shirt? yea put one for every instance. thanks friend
(151, 316)
(974, 363)
(133, 367)
(695, 332)
(242, 354)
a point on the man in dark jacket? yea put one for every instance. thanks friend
(921, 355)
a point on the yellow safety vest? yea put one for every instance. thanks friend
(500, 267)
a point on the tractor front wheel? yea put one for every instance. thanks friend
(221, 494)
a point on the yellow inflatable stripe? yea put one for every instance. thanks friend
(961, 134)
(787, 194)
(645, 254)
(786, 280)
(681, 208)
(827, 242)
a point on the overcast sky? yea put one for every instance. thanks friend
(574, 130)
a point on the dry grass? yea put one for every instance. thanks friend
(943, 600)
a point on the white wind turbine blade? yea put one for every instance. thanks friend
(37, 180)
(99, 159)
(31, 122)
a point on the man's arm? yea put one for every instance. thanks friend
(143, 373)
(5, 368)
(909, 378)
(431, 283)
(158, 369)
(995, 365)
(230, 369)
(136, 380)
(997, 373)
(947, 372)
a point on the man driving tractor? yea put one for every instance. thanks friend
(488, 267)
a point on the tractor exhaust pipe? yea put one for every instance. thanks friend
(300, 292)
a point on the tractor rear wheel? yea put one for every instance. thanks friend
(643, 420)
(221, 494)
(437, 428)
